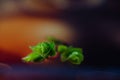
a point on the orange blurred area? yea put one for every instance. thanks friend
(20, 32)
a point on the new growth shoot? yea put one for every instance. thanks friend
(43, 50)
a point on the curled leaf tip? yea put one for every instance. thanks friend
(73, 55)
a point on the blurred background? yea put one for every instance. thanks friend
(93, 25)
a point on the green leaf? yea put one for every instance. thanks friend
(52, 49)
(62, 48)
(76, 58)
(40, 52)
(44, 48)
(41, 47)
(33, 57)
(73, 55)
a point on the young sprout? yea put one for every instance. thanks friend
(40, 52)
(43, 50)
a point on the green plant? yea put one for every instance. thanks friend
(43, 50)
